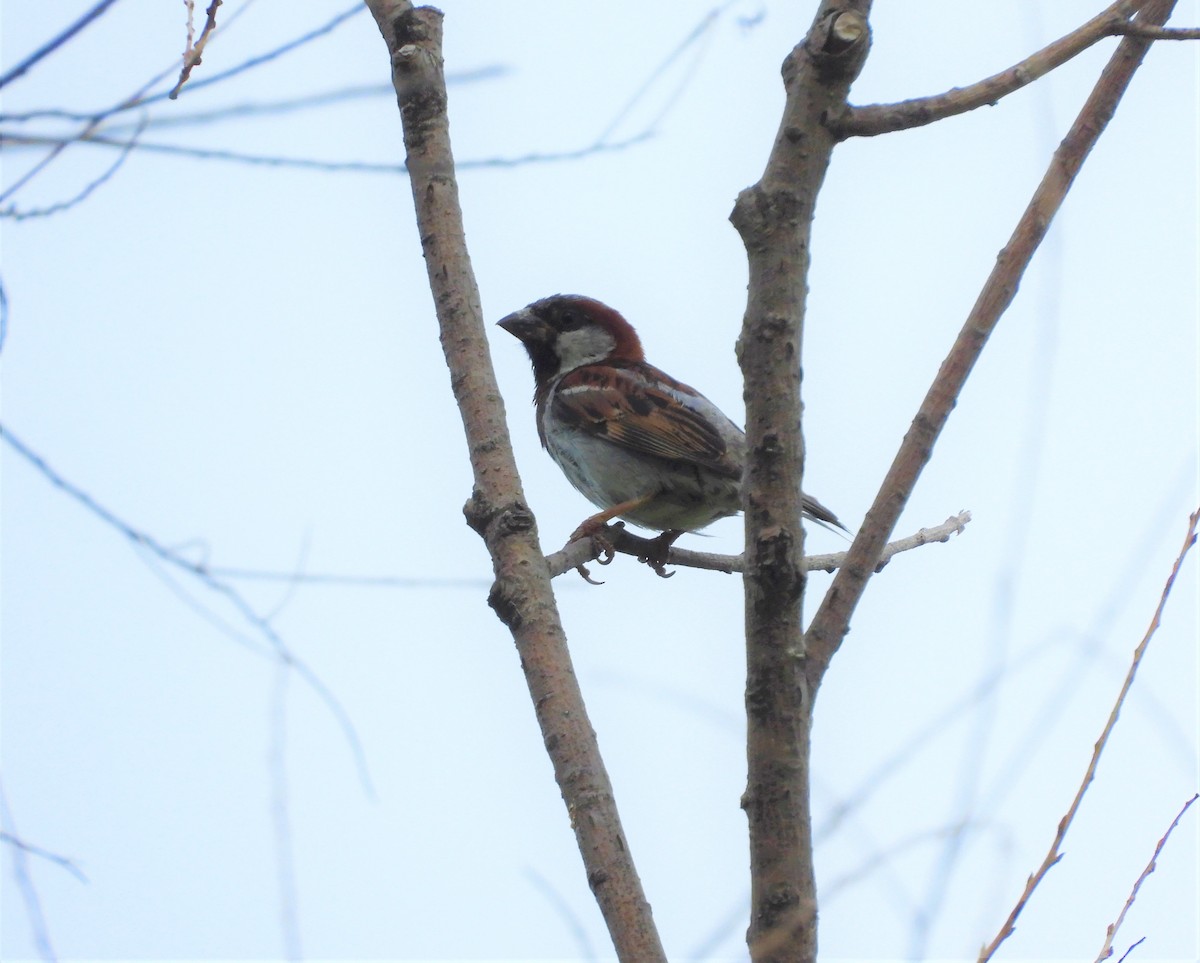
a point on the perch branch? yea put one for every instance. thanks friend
(582, 551)
(1054, 854)
(521, 595)
(832, 620)
(875, 119)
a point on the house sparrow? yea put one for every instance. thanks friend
(637, 443)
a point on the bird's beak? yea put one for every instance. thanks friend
(525, 326)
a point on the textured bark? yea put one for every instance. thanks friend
(774, 218)
(521, 595)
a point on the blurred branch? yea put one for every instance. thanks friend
(194, 51)
(24, 880)
(17, 215)
(178, 118)
(875, 119)
(140, 98)
(522, 595)
(3, 314)
(831, 622)
(61, 861)
(624, 542)
(1106, 950)
(1054, 854)
(49, 47)
(301, 163)
(262, 625)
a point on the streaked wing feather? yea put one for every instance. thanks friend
(617, 404)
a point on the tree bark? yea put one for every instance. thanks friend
(774, 218)
(521, 595)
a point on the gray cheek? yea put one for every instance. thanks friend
(583, 346)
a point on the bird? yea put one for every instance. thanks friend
(638, 444)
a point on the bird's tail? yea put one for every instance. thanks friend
(821, 515)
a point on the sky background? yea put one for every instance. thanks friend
(241, 362)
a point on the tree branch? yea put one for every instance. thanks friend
(1054, 854)
(1111, 930)
(831, 622)
(582, 551)
(876, 119)
(521, 596)
(193, 52)
(774, 218)
(1136, 29)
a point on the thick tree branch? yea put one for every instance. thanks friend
(831, 622)
(521, 595)
(875, 119)
(774, 218)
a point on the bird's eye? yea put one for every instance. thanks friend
(571, 321)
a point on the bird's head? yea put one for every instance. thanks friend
(567, 331)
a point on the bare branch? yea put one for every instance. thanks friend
(877, 119)
(521, 596)
(18, 215)
(49, 47)
(774, 219)
(304, 163)
(1146, 32)
(832, 620)
(193, 52)
(1106, 950)
(1054, 854)
(577, 553)
(61, 861)
(156, 549)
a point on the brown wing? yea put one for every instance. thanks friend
(641, 408)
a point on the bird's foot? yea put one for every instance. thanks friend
(657, 550)
(595, 529)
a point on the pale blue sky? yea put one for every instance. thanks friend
(243, 362)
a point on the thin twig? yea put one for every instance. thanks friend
(303, 163)
(193, 52)
(143, 540)
(3, 314)
(1106, 950)
(57, 208)
(577, 553)
(24, 879)
(1054, 854)
(48, 48)
(140, 97)
(61, 861)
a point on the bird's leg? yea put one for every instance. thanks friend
(596, 528)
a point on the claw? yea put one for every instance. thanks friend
(586, 575)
